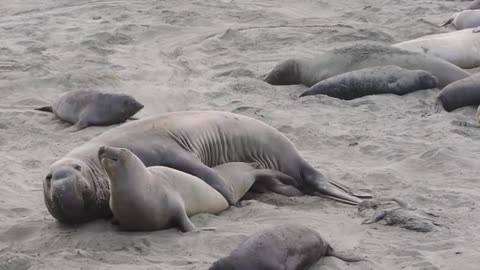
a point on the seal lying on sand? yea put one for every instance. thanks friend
(458, 47)
(155, 198)
(373, 81)
(85, 108)
(354, 57)
(76, 187)
(464, 19)
(283, 247)
(459, 94)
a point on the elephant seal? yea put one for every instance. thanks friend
(243, 177)
(85, 108)
(287, 246)
(459, 94)
(464, 19)
(373, 81)
(458, 47)
(76, 187)
(157, 197)
(358, 56)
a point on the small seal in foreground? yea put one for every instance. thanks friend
(459, 94)
(76, 188)
(283, 247)
(457, 47)
(464, 19)
(373, 81)
(359, 56)
(85, 108)
(155, 198)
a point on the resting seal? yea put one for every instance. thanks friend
(459, 94)
(85, 108)
(283, 247)
(458, 47)
(354, 57)
(76, 187)
(464, 19)
(155, 198)
(373, 81)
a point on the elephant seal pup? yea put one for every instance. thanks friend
(283, 247)
(458, 47)
(373, 81)
(242, 177)
(459, 94)
(354, 57)
(76, 187)
(85, 108)
(464, 19)
(155, 198)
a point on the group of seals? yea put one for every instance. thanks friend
(359, 56)
(76, 188)
(85, 108)
(373, 81)
(282, 247)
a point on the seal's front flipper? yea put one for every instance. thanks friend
(133, 118)
(450, 20)
(183, 221)
(78, 126)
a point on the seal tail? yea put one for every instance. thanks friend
(449, 21)
(45, 109)
(343, 257)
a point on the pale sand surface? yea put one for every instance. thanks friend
(184, 55)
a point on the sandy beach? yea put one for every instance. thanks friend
(212, 55)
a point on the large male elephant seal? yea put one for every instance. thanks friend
(459, 94)
(458, 47)
(464, 19)
(85, 108)
(354, 57)
(282, 247)
(373, 81)
(157, 197)
(76, 187)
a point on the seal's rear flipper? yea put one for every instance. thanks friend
(78, 126)
(344, 257)
(449, 21)
(45, 109)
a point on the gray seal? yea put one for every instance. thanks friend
(354, 57)
(464, 19)
(459, 94)
(85, 108)
(373, 81)
(283, 247)
(76, 187)
(157, 197)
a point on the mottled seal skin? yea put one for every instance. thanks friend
(283, 247)
(242, 177)
(189, 141)
(459, 94)
(85, 108)
(458, 47)
(359, 56)
(157, 197)
(373, 81)
(464, 19)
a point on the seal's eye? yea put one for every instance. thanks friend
(77, 167)
(48, 177)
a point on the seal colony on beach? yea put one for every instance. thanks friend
(76, 187)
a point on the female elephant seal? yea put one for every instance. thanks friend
(458, 47)
(157, 197)
(459, 94)
(76, 187)
(85, 108)
(283, 247)
(464, 19)
(373, 81)
(354, 57)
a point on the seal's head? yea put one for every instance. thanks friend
(69, 191)
(120, 163)
(285, 73)
(119, 106)
(427, 80)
